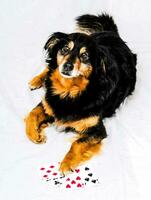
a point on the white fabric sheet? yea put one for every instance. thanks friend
(124, 165)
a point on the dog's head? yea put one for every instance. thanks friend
(75, 55)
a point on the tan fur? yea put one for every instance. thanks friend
(79, 153)
(80, 125)
(82, 50)
(85, 69)
(38, 80)
(103, 65)
(61, 59)
(68, 87)
(71, 45)
(33, 119)
(52, 42)
(77, 64)
(47, 108)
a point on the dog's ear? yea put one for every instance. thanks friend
(54, 39)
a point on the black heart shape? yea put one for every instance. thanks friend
(93, 181)
(90, 174)
(86, 168)
(87, 179)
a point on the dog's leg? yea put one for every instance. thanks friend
(36, 121)
(38, 80)
(84, 148)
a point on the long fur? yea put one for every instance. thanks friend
(93, 24)
(105, 74)
(107, 89)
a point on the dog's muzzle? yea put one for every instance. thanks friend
(67, 68)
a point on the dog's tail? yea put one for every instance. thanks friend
(92, 24)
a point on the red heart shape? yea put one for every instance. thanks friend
(48, 171)
(79, 185)
(45, 176)
(68, 179)
(78, 178)
(77, 170)
(68, 186)
(52, 166)
(54, 174)
(42, 168)
(73, 182)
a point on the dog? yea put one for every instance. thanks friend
(88, 75)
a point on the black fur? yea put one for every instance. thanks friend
(108, 87)
(98, 23)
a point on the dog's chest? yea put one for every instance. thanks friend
(67, 87)
(69, 108)
(63, 109)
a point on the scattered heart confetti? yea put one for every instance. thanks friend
(87, 179)
(90, 174)
(94, 181)
(52, 166)
(78, 178)
(77, 170)
(55, 174)
(79, 185)
(68, 186)
(73, 182)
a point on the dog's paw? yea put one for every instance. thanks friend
(66, 167)
(69, 163)
(38, 139)
(35, 83)
(41, 139)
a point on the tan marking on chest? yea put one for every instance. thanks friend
(68, 87)
(80, 125)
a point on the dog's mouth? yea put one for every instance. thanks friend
(65, 74)
(69, 74)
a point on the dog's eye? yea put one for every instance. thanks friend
(65, 50)
(84, 57)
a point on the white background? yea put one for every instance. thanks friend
(124, 165)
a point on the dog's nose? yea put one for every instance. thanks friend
(68, 66)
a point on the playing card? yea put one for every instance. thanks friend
(88, 177)
(51, 175)
(72, 180)
(80, 178)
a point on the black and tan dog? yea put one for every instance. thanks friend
(88, 76)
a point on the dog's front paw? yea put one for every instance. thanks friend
(66, 167)
(35, 83)
(41, 139)
(36, 137)
(35, 134)
(69, 163)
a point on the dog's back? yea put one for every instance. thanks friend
(104, 32)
